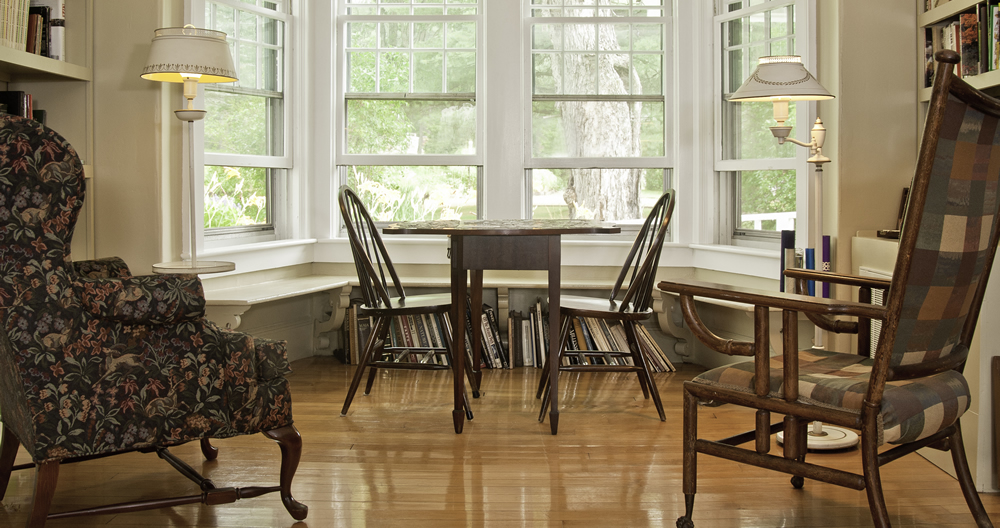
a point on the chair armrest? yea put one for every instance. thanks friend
(105, 268)
(838, 278)
(784, 301)
(148, 299)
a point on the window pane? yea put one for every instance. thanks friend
(597, 129)
(461, 71)
(239, 124)
(428, 71)
(767, 200)
(235, 196)
(597, 194)
(395, 193)
(748, 135)
(410, 127)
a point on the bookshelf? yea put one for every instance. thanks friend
(64, 89)
(944, 13)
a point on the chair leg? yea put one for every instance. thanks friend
(543, 382)
(638, 357)
(544, 387)
(290, 443)
(689, 460)
(957, 446)
(362, 363)
(46, 475)
(8, 452)
(209, 451)
(873, 481)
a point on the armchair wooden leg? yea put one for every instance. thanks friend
(46, 475)
(873, 481)
(689, 460)
(290, 443)
(965, 479)
(209, 451)
(8, 452)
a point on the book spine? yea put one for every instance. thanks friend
(353, 335)
(811, 264)
(787, 242)
(540, 342)
(494, 328)
(527, 345)
(648, 339)
(489, 343)
(825, 264)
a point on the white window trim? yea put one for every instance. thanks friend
(340, 88)
(806, 181)
(286, 221)
(692, 119)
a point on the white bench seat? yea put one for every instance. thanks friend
(226, 305)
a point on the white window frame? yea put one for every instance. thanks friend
(283, 179)
(665, 162)
(805, 40)
(345, 159)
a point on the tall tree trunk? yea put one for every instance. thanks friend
(600, 129)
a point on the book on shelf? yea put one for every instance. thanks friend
(514, 340)
(17, 102)
(54, 29)
(527, 344)
(493, 328)
(14, 22)
(968, 43)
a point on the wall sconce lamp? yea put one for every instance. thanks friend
(782, 79)
(191, 56)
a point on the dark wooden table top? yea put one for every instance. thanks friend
(501, 227)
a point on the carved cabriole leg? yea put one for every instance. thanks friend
(209, 451)
(965, 478)
(290, 443)
(8, 452)
(46, 475)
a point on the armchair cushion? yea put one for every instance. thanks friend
(105, 268)
(149, 299)
(911, 410)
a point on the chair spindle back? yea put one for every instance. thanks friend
(370, 255)
(644, 257)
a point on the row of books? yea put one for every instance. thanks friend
(806, 258)
(593, 341)
(415, 338)
(974, 35)
(420, 338)
(34, 26)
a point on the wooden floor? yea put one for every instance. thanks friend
(396, 461)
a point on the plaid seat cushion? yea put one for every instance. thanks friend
(911, 410)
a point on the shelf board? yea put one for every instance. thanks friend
(18, 65)
(945, 11)
(983, 81)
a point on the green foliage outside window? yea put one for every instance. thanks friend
(235, 196)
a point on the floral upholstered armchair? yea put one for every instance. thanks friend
(95, 362)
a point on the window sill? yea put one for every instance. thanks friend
(577, 252)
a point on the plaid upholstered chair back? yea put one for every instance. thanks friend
(950, 233)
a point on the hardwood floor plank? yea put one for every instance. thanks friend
(395, 461)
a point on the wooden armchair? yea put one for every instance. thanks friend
(912, 393)
(95, 362)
